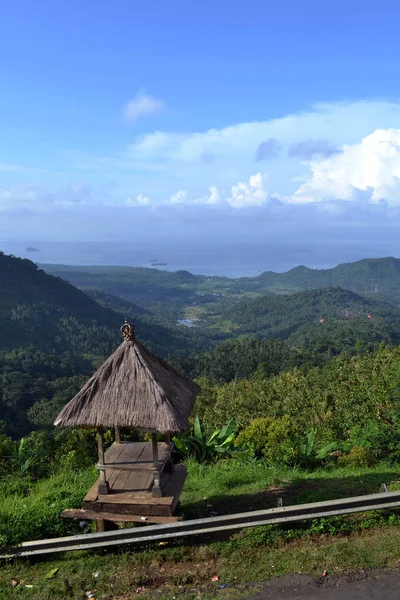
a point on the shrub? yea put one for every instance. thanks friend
(357, 457)
(6, 450)
(276, 439)
(382, 440)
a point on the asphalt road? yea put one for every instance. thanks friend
(364, 585)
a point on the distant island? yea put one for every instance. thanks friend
(31, 249)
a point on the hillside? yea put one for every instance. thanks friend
(40, 310)
(333, 310)
(378, 278)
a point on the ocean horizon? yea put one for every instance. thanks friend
(235, 261)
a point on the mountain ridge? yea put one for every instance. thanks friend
(41, 310)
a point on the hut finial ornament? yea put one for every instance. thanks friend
(128, 331)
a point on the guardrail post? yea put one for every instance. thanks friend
(383, 487)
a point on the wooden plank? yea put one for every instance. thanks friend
(79, 513)
(133, 498)
(135, 455)
(114, 452)
(139, 481)
(92, 493)
(111, 478)
(124, 509)
(124, 453)
(175, 485)
(120, 481)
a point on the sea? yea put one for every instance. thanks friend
(230, 261)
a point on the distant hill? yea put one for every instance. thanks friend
(377, 277)
(40, 310)
(310, 312)
(374, 277)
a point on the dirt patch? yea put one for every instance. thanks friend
(374, 584)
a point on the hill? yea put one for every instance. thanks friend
(373, 277)
(332, 310)
(378, 277)
(44, 311)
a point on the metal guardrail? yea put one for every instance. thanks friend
(153, 533)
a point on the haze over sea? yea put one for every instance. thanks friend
(236, 260)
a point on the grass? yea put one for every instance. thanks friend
(337, 544)
(31, 510)
(236, 485)
(186, 571)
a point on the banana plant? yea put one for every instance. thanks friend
(26, 461)
(197, 444)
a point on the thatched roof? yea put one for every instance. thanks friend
(132, 388)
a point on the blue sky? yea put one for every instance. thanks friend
(197, 110)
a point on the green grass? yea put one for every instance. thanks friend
(30, 510)
(236, 485)
(336, 544)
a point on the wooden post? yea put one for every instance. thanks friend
(100, 525)
(168, 466)
(104, 488)
(156, 492)
(117, 435)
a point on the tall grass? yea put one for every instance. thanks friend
(32, 510)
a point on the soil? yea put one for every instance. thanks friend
(375, 584)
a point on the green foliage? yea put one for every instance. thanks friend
(357, 457)
(276, 439)
(34, 386)
(30, 510)
(237, 359)
(6, 452)
(196, 443)
(297, 317)
(75, 448)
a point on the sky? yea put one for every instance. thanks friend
(202, 122)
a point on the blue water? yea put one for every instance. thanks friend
(205, 261)
(211, 258)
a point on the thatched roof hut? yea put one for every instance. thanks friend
(132, 388)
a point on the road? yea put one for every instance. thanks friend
(365, 585)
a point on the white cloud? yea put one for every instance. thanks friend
(365, 171)
(242, 194)
(142, 105)
(214, 196)
(179, 197)
(142, 199)
(162, 162)
(253, 193)
(336, 124)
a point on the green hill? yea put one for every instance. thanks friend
(375, 277)
(378, 277)
(329, 309)
(40, 310)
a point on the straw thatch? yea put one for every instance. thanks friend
(133, 388)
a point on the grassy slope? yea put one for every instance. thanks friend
(247, 556)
